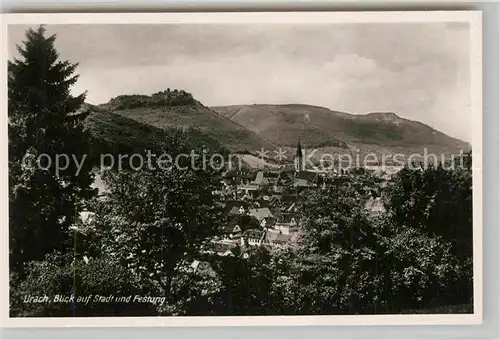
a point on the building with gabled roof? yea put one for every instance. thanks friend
(283, 180)
(243, 222)
(223, 248)
(259, 179)
(260, 213)
(287, 224)
(253, 237)
(306, 179)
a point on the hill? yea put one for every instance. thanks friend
(178, 109)
(340, 133)
(113, 133)
(320, 127)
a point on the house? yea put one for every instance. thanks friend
(306, 178)
(260, 213)
(249, 190)
(246, 196)
(240, 209)
(260, 203)
(232, 175)
(283, 180)
(266, 223)
(228, 204)
(265, 179)
(287, 224)
(288, 199)
(242, 251)
(383, 171)
(235, 210)
(252, 237)
(234, 233)
(202, 267)
(260, 179)
(237, 224)
(223, 248)
(275, 200)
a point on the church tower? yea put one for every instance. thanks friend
(298, 160)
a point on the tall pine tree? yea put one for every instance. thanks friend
(44, 118)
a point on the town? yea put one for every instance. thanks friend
(261, 204)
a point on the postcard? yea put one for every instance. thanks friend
(231, 169)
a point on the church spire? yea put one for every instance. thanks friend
(297, 160)
(298, 153)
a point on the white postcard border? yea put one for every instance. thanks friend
(474, 18)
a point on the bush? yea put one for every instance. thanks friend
(59, 275)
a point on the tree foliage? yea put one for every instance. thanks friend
(43, 119)
(348, 263)
(150, 234)
(155, 221)
(437, 202)
(65, 276)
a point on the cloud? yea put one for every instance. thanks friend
(419, 71)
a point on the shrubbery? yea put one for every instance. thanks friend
(64, 275)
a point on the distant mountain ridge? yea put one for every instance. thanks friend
(321, 127)
(139, 121)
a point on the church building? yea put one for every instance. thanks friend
(302, 177)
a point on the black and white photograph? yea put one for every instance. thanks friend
(269, 165)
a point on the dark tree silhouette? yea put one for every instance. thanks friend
(43, 119)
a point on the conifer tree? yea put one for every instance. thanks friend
(44, 118)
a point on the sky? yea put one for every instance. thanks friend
(420, 71)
